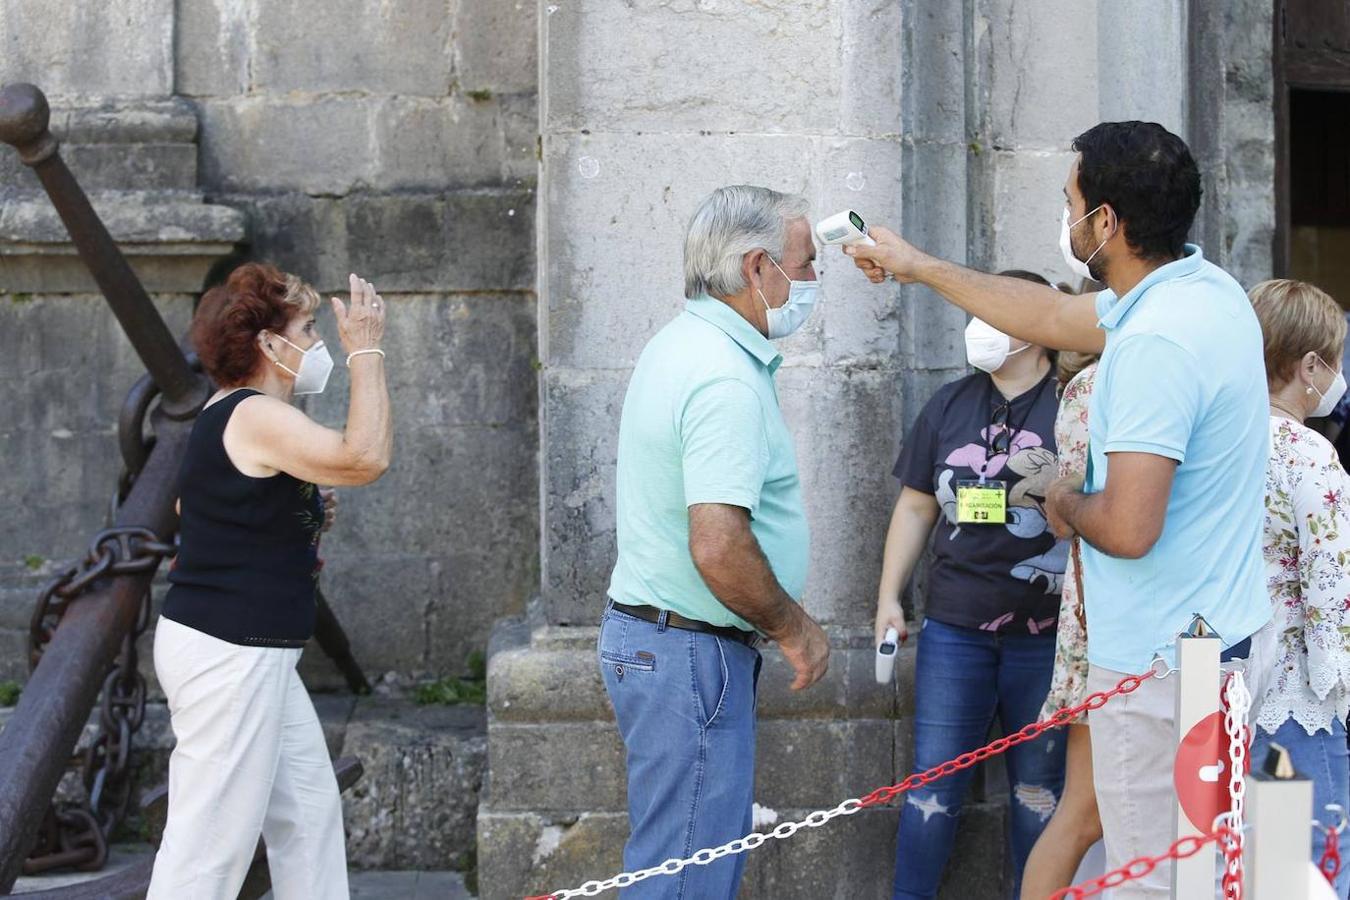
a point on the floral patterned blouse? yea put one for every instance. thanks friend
(1068, 685)
(1307, 555)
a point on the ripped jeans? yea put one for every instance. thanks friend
(963, 678)
(685, 705)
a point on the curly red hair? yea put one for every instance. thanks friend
(256, 297)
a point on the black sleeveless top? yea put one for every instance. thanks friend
(248, 562)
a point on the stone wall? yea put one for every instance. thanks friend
(1232, 132)
(630, 148)
(949, 121)
(394, 140)
(402, 141)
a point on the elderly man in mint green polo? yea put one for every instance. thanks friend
(713, 540)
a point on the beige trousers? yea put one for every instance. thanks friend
(1133, 743)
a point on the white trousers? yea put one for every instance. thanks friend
(1134, 741)
(250, 760)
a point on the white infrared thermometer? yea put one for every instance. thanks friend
(842, 228)
(886, 656)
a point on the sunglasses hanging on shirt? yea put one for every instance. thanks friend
(983, 501)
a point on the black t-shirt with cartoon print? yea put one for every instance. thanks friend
(998, 577)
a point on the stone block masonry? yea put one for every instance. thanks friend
(554, 808)
(396, 140)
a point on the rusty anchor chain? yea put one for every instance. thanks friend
(75, 834)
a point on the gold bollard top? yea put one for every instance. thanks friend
(1199, 627)
(1278, 764)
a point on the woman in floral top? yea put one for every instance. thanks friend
(1307, 547)
(1075, 826)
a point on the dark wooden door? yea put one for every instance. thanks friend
(1312, 69)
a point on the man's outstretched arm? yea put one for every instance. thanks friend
(1026, 310)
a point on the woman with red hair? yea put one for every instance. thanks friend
(251, 757)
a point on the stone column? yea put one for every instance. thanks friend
(1038, 76)
(640, 121)
(1232, 133)
(645, 109)
(949, 121)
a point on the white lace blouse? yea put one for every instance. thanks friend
(1307, 555)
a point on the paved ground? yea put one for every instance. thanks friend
(409, 885)
(119, 857)
(364, 885)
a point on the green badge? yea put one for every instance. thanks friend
(981, 503)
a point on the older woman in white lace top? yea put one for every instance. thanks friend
(1307, 546)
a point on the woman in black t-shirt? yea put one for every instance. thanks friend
(251, 757)
(974, 469)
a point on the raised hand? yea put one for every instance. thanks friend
(361, 324)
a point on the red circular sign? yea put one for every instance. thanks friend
(1201, 772)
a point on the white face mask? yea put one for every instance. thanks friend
(1335, 392)
(987, 348)
(793, 314)
(316, 364)
(1078, 266)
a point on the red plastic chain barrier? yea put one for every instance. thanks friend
(1330, 863)
(1029, 732)
(881, 795)
(1138, 868)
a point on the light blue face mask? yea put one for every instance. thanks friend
(793, 314)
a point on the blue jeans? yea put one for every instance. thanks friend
(685, 704)
(964, 677)
(1321, 757)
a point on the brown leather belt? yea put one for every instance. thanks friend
(675, 620)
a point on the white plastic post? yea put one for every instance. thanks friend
(1197, 698)
(1279, 809)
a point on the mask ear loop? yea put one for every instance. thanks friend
(277, 362)
(1100, 206)
(1312, 386)
(762, 298)
(287, 369)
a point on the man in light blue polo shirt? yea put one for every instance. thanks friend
(713, 541)
(1170, 517)
(1177, 382)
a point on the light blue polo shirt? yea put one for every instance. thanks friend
(1183, 377)
(701, 424)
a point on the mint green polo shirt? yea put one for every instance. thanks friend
(701, 424)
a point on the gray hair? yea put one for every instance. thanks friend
(730, 223)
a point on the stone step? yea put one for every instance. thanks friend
(522, 854)
(416, 805)
(129, 145)
(554, 804)
(137, 161)
(405, 885)
(556, 678)
(171, 239)
(369, 885)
